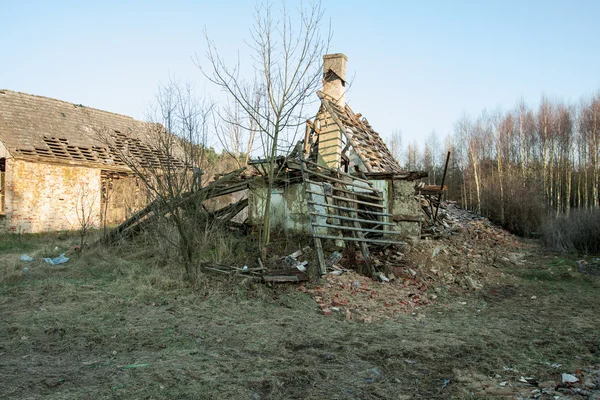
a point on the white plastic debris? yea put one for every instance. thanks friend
(58, 260)
(25, 257)
(568, 378)
(302, 266)
(245, 268)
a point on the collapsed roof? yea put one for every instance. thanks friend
(37, 128)
(367, 143)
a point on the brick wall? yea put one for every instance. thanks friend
(49, 197)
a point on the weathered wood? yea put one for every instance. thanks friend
(366, 221)
(382, 214)
(358, 229)
(361, 194)
(366, 203)
(159, 208)
(340, 173)
(310, 205)
(332, 179)
(366, 240)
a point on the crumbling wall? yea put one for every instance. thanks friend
(288, 207)
(122, 196)
(330, 139)
(48, 197)
(405, 208)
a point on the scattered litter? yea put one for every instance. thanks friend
(568, 378)
(374, 375)
(436, 251)
(245, 268)
(25, 257)
(336, 272)
(58, 260)
(445, 383)
(302, 266)
(528, 380)
(502, 384)
(383, 278)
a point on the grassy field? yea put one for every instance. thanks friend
(115, 323)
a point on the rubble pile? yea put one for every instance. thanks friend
(462, 256)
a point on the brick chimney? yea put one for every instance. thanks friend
(334, 77)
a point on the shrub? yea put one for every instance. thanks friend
(578, 231)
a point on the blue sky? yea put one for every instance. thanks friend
(417, 65)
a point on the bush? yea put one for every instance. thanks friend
(520, 211)
(578, 231)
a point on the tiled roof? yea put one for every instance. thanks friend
(38, 128)
(364, 140)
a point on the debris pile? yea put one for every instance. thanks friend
(285, 269)
(461, 257)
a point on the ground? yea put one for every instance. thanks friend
(113, 323)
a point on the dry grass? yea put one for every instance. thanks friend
(578, 231)
(120, 323)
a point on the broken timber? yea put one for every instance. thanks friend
(223, 185)
(349, 207)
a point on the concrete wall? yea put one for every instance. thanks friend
(288, 207)
(46, 197)
(289, 211)
(405, 204)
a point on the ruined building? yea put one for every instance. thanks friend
(55, 169)
(347, 175)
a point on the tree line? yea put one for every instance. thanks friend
(518, 166)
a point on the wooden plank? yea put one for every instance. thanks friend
(284, 278)
(310, 204)
(356, 178)
(378, 198)
(366, 221)
(381, 214)
(366, 240)
(329, 178)
(366, 203)
(357, 229)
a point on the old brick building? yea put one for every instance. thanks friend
(56, 164)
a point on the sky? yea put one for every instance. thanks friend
(417, 66)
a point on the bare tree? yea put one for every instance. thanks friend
(87, 210)
(165, 157)
(396, 144)
(287, 70)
